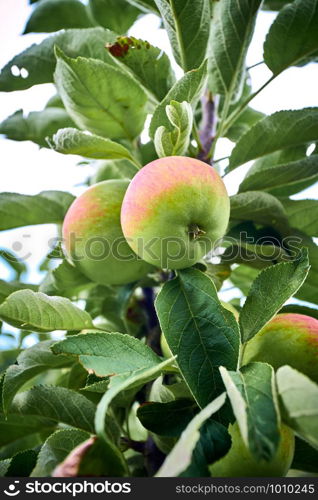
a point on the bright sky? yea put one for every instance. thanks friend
(28, 170)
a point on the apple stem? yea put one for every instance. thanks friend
(195, 231)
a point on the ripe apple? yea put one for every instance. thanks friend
(93, 239)
(174, 211)
(239, 462)
(288, 339)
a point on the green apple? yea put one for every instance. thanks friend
(239, 462)
(93, 239)
(288, 339)
(174, 212)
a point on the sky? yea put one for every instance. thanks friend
(27, 169)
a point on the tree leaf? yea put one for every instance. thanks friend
(117, 15)
(17, 265)
(55, 450)
(13, 428)
(243, 123)
(21, 464)
(39, 60)
(39, 312)
(175, 143)
(145, 5)
(302, 214)
(75, 142)
(242, 277)
(54, 15)
(274, 4)
(189, 88)
(167, 419)
(262, 208)
(149, 64)
(294, 31)
(65, 280)
(188, 27)
(108, 353)
(199, 331)
(37, 126)
(7, 358)
(254, 402)
(180, 456)
(99, 97)
(281, 130)
(231, 32)
(288, 278)
(58, 404)
(282, 179)
(30, 362)
(299, 397)
(305, 458)
(18, 210)
(309, 290)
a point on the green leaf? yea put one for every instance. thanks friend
(37, 126)
(54, 15)
(294, 31)
(275, 4)
(288, 278)
(99, 97)
(199, 331)
(13, 428)
(122, 382)
(108, 353)
(188, 27)
(282, 179)
(65, 280)
(259, 207)
(299, 398)
(30, 362)
(244, 122)
(145, 5)
(149, 64)
(58, 404)
(281, 130)
(242, 277)
(189, 88)
(303, 214)
(39, 60)
(213, 444)
(39, 312)
(175, 143)
(231, 32)
(7, 358)
(180, 456)
(167, 419)
(254, 402)
(305, 458)
(16, 265)
(309, 290)
(75, 142)
(55, 450)
(21, 464)
(117, 15)
(18, 210)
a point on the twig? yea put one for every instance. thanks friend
(207, 132)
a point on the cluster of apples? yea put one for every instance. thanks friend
(170, 215)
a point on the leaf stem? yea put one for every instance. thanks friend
(255, 65)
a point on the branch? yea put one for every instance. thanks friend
(207, 132)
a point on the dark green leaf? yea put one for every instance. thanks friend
(294, 31)
(39, 60)
(188, 27)
(37, 126)
(281, 130)
(231, 32)
(39, 312)
(54, 15)
(288, 278)
(30, 362)
(99, 97)
(21, 465)
(303, 214)
(167, 419)
(16, 265)
(7, 357)
(117, 15)
(13, 428)
(199, 331)
(254, 401)
(243, 123)
(306, 457)
(58, 404)
(65, 280)
(298, 309)
(18, 210)
(56, 448)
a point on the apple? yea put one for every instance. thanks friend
(93, 239)
(174, 211)
(288, 339)
(239, 462)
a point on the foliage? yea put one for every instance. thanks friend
(106, 385)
